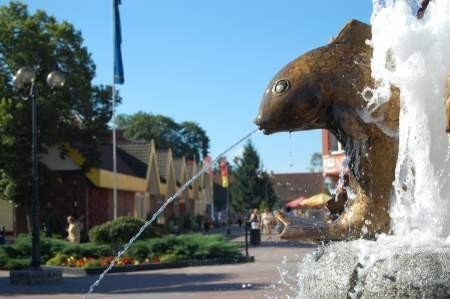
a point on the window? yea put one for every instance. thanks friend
(335, 145)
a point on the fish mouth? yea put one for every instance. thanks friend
(268, 127)
(263, 126)
(268, 130)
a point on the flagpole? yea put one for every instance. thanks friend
(114, 115)
(114, 150)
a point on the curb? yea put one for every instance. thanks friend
(148, 267)
(34, 277)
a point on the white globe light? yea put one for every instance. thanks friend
(56, 79)
(24, 77)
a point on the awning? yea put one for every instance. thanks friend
(295, 203)
(316, 201)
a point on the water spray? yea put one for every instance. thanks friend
(161, 209)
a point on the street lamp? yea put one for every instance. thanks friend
(25, 84)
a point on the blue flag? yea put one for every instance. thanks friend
(118, 65)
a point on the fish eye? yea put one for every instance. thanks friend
(281, 86)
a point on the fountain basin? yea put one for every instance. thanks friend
(365, 269)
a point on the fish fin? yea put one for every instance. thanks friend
(354, 32)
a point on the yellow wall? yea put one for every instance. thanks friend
(105, 178)
(6, 215)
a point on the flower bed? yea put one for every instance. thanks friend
(151, 266)
(183, 249)
(17, 256)
(88, 262)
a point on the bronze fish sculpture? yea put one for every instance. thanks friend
(325, 89)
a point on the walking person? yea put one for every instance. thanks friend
(239, 219)
(255, 232)
(73, 231)
(206, 222)
(267, 221)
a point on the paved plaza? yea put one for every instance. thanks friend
(252, 280)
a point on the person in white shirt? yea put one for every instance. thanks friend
(255, 219)
(266, 221)
(73, 231)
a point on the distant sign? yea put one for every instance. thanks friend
(332, 164)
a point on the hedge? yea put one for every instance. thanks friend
(17, 255)
(184, 247)
(168, 249)
(120, 231)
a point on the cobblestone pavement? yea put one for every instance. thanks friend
(260, 279)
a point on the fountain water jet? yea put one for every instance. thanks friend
(160, 210)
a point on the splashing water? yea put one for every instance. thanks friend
(414, 55)
(161, 209)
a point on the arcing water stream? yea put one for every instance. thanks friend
(161, 209)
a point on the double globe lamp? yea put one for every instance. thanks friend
(24, 81)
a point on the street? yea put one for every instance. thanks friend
(260, 279)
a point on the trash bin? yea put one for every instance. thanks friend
(255, 236)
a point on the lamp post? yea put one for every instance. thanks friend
(25, 83)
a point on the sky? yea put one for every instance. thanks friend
(210, 61)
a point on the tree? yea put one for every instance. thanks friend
(315, 163)
(194, 140)
(250, 185)
(146, 126)
(185, 139)
(78, 112)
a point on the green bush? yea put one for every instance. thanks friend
(17, 263)
(139, 251)
(3, 257)
(164, 245)
(170, 248)
(58, 260)
(119, 231)
(22, 247)
(193, 247)
(87, 250)
(168, 258)
(173, 224)
(12, 256)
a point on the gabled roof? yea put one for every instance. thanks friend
(137, 155)
(190, 168)
(179, 166)
(162, 159)
(106, 160)
(140, 168)
(139, 150)
(102, 176)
